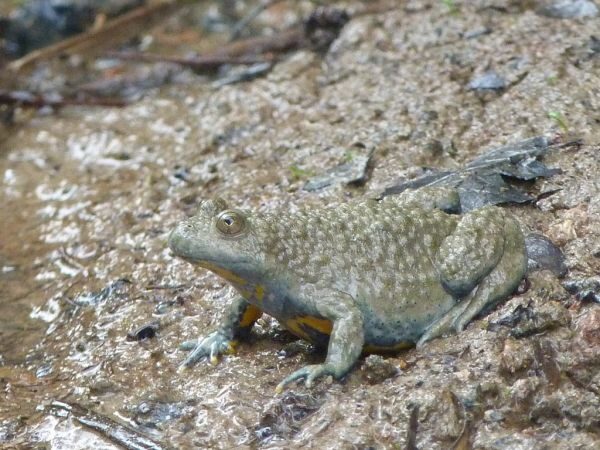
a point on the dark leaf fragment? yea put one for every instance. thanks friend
(493, 177)
(585, 289)
(351, 172)
(147, 331)
(284, 419)
(113, 291)
(413, 426)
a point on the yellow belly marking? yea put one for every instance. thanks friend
(370, 348)
(259, 292)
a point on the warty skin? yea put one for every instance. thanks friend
(363, 276)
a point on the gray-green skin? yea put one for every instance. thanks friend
(384, 273)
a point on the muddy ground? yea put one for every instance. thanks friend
(88, 197)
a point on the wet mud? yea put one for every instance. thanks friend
(93, 305)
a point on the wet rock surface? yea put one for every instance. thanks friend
(88, 197)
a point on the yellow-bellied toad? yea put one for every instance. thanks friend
(372, 275)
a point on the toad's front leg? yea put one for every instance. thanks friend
(345, 343)
(236, 324)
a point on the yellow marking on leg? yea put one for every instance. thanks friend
(251, 315)
(259, 292)
(299, 325)
(232, 347)
(371, 348)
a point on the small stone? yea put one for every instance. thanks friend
(447, 415)
(493, 415)
(570, 9)
(377, 369)
(44, 370)
(147, 331)
(542, 254)
(103, 386)
(523, 389)
(489, 388)
(489, 81)
(547, 316)
(477, 32)
(515, 357)
(351, 172)
(588, 327)
(571, 224)
(295, 348)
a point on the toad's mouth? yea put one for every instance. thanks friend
(209, 263)
(209, 257)
(231, 269)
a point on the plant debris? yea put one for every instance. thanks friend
(585, 289)
(533, 318)
(491, 178)
(284, 417)
(353, 171)
(118, 433)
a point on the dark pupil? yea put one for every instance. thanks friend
(228, 221)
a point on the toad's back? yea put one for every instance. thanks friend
(380, 253)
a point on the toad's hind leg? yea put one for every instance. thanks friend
(485, 259)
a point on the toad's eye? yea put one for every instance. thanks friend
(231, 223)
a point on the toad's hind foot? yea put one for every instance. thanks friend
(498, 284)
(309, 374)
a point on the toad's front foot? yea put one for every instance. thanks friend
(309, 374)
(211, 346)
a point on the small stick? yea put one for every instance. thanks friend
(209, 62)
(31, 100)
(116, 30)
(239, 27)
(277, 43)
(122, 435)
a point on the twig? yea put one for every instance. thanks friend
(114, 31)
(276, 43)
(210, 62)
(239, 27)
(122, 435)
(411, 432)
(301, 35)
(28, 99)
(153, 287)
